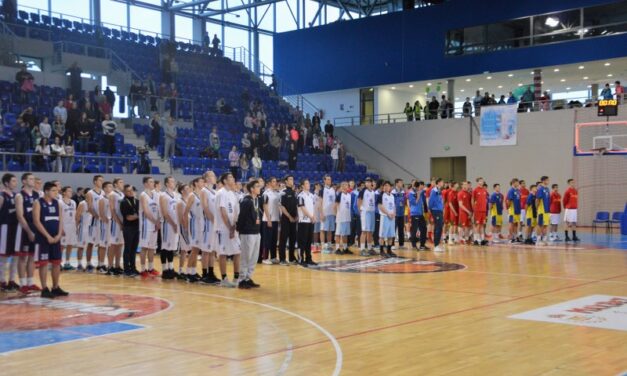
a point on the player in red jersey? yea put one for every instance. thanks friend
(480, 210)
(556, 210)
(453, 212)
(524, 193)
(465, 211)
(570, 210)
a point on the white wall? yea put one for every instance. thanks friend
(45, 78)
(336, 104)
(388, 101)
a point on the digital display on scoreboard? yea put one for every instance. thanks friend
(608, 107)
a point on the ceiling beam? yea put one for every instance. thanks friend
(188, 4)
(212, 13)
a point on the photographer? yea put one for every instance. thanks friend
(143, 166)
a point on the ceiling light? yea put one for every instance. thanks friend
(468, 80)
(480, 88)
(500, 86)
(581, 67)
(411, 85)
(567, 88)
(456, 98)
(429, 84)
(556, 70)
(371, 89)
(461, 91)
(547, 90)
(444, 92)
(585, 77)
(563, 80)
(532, 72)
(510, 75)
(610, 75)
(589, 86)
(489, 77)
(519, 84)
(551, 22)
(393, 87)
(607, 64)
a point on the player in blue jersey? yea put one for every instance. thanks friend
(496, 212)
(514, 210)
(543, 204)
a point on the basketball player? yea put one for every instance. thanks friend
(306, 220)
(524, 194)
(170, 229)
(49, 227)
(543, 206)
(196, 228)
(315, 248)
(26, 233)
(208, 246)
(496, 212)
(514, 210)
(68, 217)
(129, 208)
(436, 205)
(327, 215)
(8, 233)
(480, 212)
(149, 226)
(343, 220)
(556, 210)
(464, 199)
(227, 211)
(366, 204)
(570, 210)
(271, 217)
(104, 213)
(93, 198)
(531, 214)
(453, 213)
(83, 221)
(116, 230)
(185, 191)
(387, 209)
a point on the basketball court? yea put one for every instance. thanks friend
(416, 314)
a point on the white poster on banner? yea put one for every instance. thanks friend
(596, 311)
(499, 125)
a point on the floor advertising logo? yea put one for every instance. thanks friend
(387, 265)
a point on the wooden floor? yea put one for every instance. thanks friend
(315, 322)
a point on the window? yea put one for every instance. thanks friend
(113, 13)
(33, 64)
(509, 34)
(556, 27)
(32, 5)
(74, 10)
(183, 29)
(605, 19)
(146, 19)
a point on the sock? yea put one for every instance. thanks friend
(3, 264)
(13, 269)
(362, 247)
(566, 233)
(23, 281)
(151, 266)
(223, 277)
(382, 248)
(574, 234)
(210, 271)
(389, 249)
(204, 272)
(337, 246)
(30, 281)
(236, 276)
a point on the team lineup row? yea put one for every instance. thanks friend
(216, 219)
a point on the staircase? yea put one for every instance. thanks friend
(131, 138)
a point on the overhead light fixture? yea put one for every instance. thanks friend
(552, 22)
(519, 84)
(563, 80)
(411, 85)
(589, 86)
(461, 91)
(547, 90)
(444, 92)
(556, 70)
(468, 80)
(510, 75)
(429, 84)
(610, 75)
(585, 77)
(500, 86)
(607, 64)
(489, 77)
(371, 89)
(456, 98)
(480, 88)
(567, 88)
(393, 87)
(581, 67)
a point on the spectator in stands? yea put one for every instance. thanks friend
(69, 101)
(99, 99)
(76, 81)
(234, 161)
(245, 141)
(220, 103)
(141, 101)
(68, 161)
(73, 117)
(444, 107)
(335, 155)
(328, 128)
(433, 108)
(58, 128)
(606, 93)
(485, 101)
(249, 121)
(467, 108)
(261, 117)
(273, 84)
(341, 165)
(492, 100)
(29, 117)
(215, 43)
(163, 93)
(79, 195)
(315, 120)
(173, 100)
(292, 156)
(151, 92)
(214, 141)
(275, 145)
(155, 131)
(60, 111)
(511, 99)
(502, 100)
(174, 70)
(133, 93)
(409, 112)
(110, 95)
(545, 101)
(526, 101)
(417, 109)
(257, 164)
(57, 152)
(315, 144)
(477, 103)
(85, 131)
(42, 160)
(25, 81)
(35, 137)
(619, 90)
(244, 166)
(108, 134)
(170, 139)
(21, 132)
(45, 129)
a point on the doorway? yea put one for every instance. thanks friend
(449, 168)
(366, 106)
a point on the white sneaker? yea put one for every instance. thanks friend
(438, 249)
(451, 242)
(267, 262)
(226, 283)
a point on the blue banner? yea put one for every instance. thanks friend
(499, 125)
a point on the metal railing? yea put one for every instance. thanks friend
(148, 104)
(79, 162)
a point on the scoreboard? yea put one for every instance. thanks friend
(608, 107)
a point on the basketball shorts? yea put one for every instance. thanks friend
(343, 229)
(70, 237)
(148, 238)
(227, 246)
(570, 216)
(514, 218)
(184, 240)
(317, 226)
(208, 243)
(543, 219)
(169, 238)
(27, 247)
(497, 220)
(387, 227)
(367, 221)
(531, 222)
(480, 218)
(464, 219)
(9, 244)
(117, 235)
(523, 216)
(81, 236)
(329, 223)
(93, 233)
(196, 233)
(47, 253)
(104, 234)
(453, 219)
(447, 213)
(555, 219)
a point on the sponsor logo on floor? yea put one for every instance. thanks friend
(387, 265)
(33, 321)
(596, 311)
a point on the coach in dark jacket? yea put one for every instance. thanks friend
(249, 227)
(289, 218)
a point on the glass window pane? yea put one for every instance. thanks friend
(605, 19)
(113, 13)
(31, 5)
(265, 53)
(284, 19)
(75, 10)
(183, 29)
(555, 23)
(145, 19)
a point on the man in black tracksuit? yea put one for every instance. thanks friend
(129, 208)
(289, 218)
(249, 226)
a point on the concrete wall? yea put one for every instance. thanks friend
(46, 78)
(336, 104)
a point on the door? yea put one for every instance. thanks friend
(366, 106)
(449, 168)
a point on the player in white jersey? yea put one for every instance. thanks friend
(366, 205)
(387, 208)
(306, 219)
(67, 206)
(327, 195)
(104, 211)
(208, 247)
(93, 236)
(227, 211)
(149, 226)
(170, 229)
(196, 228)
(185, 191)
(270, 221)
(83, 220)
(342, 220)
(315, 247)
(116, 233)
